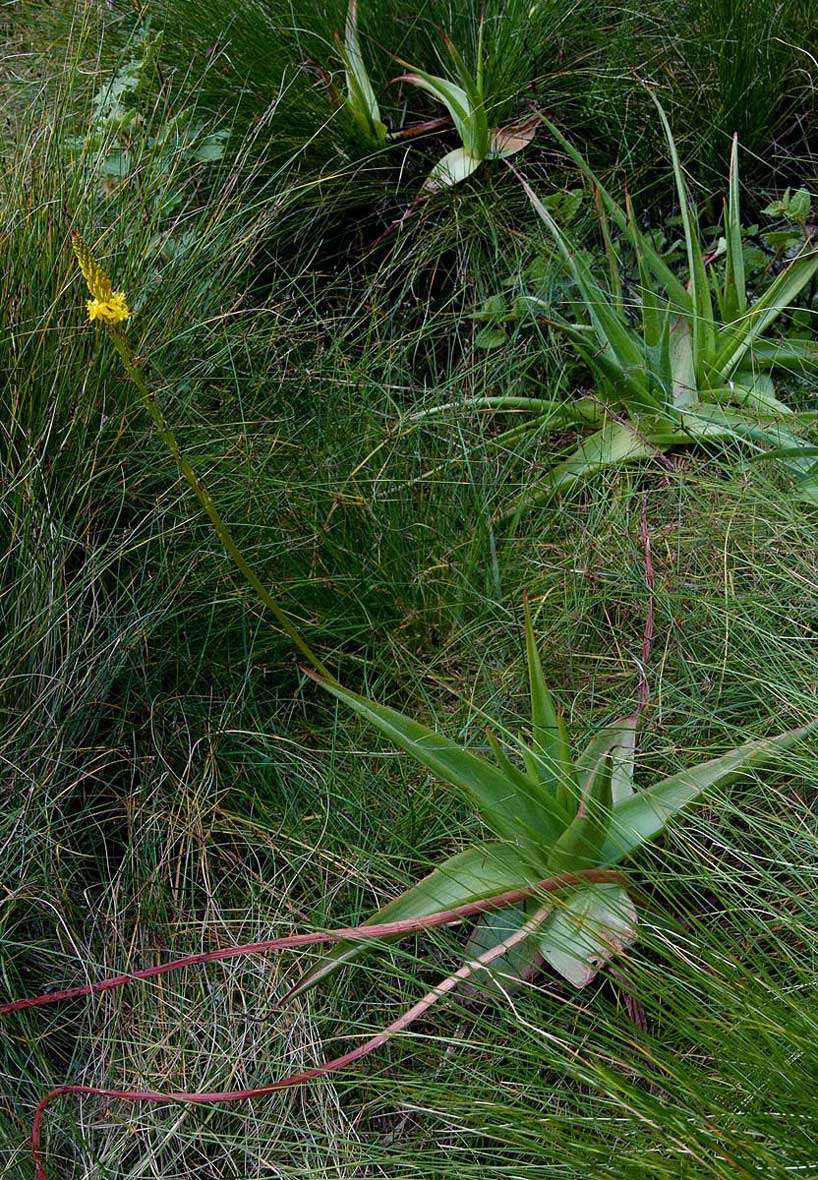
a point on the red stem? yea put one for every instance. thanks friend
(293, 941)
(213, 1097)
(379, 930)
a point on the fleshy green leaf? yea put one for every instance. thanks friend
(523, 815)
(517, 965)
(549, 737)
(617, 741)
(734, 302)
(646, 813)
(611, 328)
(735, 341)
(579, 845)
(785, 354)
(360, 97)
(703, 326)
(470, 120)
(588, 929)
(611, 446)
(674, 287)
(480, 871)
(682, 367)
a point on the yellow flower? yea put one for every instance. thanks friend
(112, 310)
(105, 303)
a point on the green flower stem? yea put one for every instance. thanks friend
(123, 347)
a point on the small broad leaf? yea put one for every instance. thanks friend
(588, 929)
(451, 169)
(524, 815)
(646, 813)
(480, 871)
(517, 965)
(211, 147)
(491, 338)
(799, 206)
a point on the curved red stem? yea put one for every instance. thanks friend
(380, 930)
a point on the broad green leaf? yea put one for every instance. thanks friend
(455, 166)
(767, 432)
(516, 965)
(523, 815)
(755, 391)
(580, 844)
(645, 814)
(588, 929)
(617, 741)
(736, 340)
(549, 737)
(488, 337)
(808, 491)
(361, 98)
(480, 871)
(468, 118)
(611, 446)
(785, 354)
(734, 302)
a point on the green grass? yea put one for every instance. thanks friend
(172, 783)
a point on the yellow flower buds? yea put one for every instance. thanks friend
(105, 304)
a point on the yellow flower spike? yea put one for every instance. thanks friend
(105, 303)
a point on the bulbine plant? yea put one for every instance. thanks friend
(465, 100)
(551, 812)
(547, 888)
(675, 358)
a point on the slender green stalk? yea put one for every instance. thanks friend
(149, 401)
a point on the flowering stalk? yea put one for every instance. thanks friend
(110, 308)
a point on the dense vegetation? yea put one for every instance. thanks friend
(377, 376)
